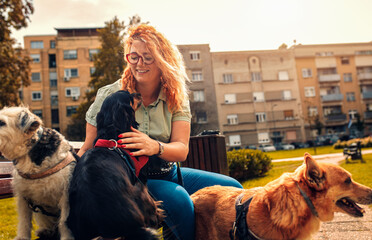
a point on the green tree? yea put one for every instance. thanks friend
(14, 66)
(109, 65)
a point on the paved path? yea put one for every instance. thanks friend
(343, 226)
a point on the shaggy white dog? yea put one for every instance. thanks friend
(43, 164)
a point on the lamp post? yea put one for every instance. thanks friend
(273, 117)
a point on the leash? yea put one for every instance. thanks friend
(56, 168)
(308, 201)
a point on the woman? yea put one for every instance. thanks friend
(156, 70)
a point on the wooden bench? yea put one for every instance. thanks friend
(205, 153)
(353, 152)
(6, 169)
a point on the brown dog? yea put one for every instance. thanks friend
(279, 209)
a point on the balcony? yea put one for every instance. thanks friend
(367, 95)
(332, 97)
(329, 78)
(336, 118)
(365, 76)
(368, 115)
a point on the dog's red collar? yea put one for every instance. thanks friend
(112, 144)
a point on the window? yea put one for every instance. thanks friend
(283, 76)
(35, 58)
(230, 98)
(307, 73)
(263, 138)
(52, 61)
(72, 92)
(312, 111)
(350, 96)
(196, 76)
(287, 95)
(198, 96)
(69, 73)
(52, 44)
(71, 110)
(92, 70)
(92, 52)
(324, 54)
(55, 116)
(348, 77)
(309, 91)
(54, 98)
(345, 60)
(38, 113)
(353, 114)
(53, 79)
(365, 52)
(35, 77)
(195, 55)
(258, 97)
(261, 117)
(69, 54)
(234, 140)
(288, 114)
(232, 119)
(36, 96)
(227, 78)
(37, 45)
(256, 76)
(201, 117)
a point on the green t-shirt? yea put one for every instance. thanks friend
(154, 120)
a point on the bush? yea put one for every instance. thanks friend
(246, 163)
(364, 143)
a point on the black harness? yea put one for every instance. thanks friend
(240, 229)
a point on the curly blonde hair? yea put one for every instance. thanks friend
(168, 59)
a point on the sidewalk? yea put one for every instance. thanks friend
(343, 226)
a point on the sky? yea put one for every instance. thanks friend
(226, 25)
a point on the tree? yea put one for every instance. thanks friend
(109, 65)
(14, 67)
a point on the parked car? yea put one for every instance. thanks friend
(253, 147)
(278, 146)
(300, 145)
(287, 146)
(267, 148)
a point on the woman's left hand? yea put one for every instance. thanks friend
(139, 141)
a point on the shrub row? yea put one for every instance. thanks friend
(245, 163)
(364, 142)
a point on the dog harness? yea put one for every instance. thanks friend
(240, 229)
(111, 144)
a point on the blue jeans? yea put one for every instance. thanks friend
(177, 203)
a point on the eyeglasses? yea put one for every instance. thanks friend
(133, 58)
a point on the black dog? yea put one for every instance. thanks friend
(106, 198)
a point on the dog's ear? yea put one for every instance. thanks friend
(28, 122)
(314, 176)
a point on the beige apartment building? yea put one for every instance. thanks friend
(257, 97)
(60, 71)
(199, 69)
(335, 82)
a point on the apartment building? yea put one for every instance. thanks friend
(60, 71)
(335, 83)
(257, 97)
(199, 69)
